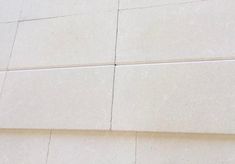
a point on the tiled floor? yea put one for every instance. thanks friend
(117, 65)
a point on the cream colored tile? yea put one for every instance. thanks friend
(10, 10)
(92, 148)
(72, 98)
(185, 149)
(125, 4)
(23, 147)
(34, 9)
(194, 31)
(86, 39)
(179, 97)
(7, 33)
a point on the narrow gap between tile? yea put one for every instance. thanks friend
(48, 147)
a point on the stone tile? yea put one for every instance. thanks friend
(72, 98)
(92, 148)
(23, 147)
(34, 9)
(194, 31)
(126, 4)
(87, 39)
(180, 97)
(7, 33)
(10, 10)
(185, 149)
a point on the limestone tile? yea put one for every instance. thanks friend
(185, 149)
(127, 4)
(7, 33)
(34, 9)
(23, 147)
(92, 148)
(71, 98)
(86, 39)
(179, 97)
(10, 10)
(192, 31)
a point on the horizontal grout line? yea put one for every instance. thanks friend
(116, 131)
(119, 64)
(162, 5)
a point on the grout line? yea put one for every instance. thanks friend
(114, 71)
(48, 147)
(136, 147)
(161, 5)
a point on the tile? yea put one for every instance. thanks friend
(185, 149)
(127, 4)
(23, 147)
(7, 34)
(86, 39)
(193, 97)
(194, 31)
(10, 10)
(2, 75)
(92, 148)
(72, 98)
(34, 9)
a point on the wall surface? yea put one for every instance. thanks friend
(117, 81)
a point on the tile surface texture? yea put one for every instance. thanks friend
(179, 97)
(185, 149)
(7, 34)
(34, 9)
(2, 75)
(92, 148)
(86, 39)
(128, 4)
(10, 10)
(194, 31)
(73, 98)
(17, 147)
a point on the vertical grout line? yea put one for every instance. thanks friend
(114, 71)
(136, 147)
(48, 147)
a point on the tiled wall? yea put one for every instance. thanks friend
(117, 81)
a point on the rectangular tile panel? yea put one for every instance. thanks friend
(10, 10)
(185, 149)
(86, 39)
(193, 31)
(34, 9)
(72, 98)
(23, 147)
(127, 4)
(92, 148)
(179, 97)
(7, 33)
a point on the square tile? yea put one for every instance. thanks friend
(92, 148)
(34, 9)
(71, 98)
(185, 149)
(195, 97)
(87, 39)
(7, 34)
(10, 10)
(23, 147)
(194, 31)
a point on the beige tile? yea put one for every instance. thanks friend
(23, 147)
(92, 148)
(10, 10)
(86, 39)
(194, 31)
(7, 33)
(125, 4)
(185, 149)
(34, 9)
(72, 98)
(179, 97)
